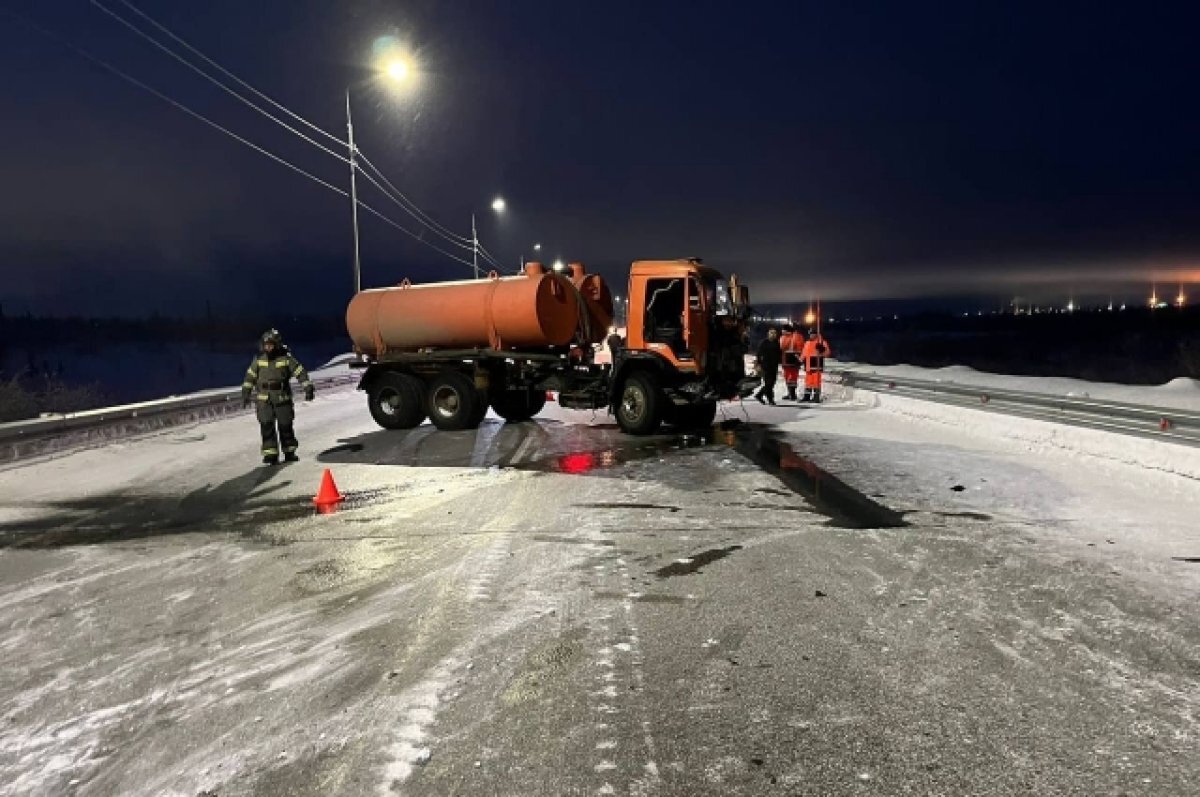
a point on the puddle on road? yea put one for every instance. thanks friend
(607, 505)
(686, 567)
(967, 515)
(829, 495)
(826, 494)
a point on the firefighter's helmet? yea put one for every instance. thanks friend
(272, 336)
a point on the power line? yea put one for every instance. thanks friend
(384, 191)
(214, 81)
(425, 218)
(410, 233)
(400, 199)
(229, 74)
(197, 115)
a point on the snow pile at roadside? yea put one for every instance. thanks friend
(1180, 393)
(1035, 436)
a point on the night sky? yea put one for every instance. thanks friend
(847, 150)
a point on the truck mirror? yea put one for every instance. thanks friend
(724, 306)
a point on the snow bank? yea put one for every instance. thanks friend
(1181, 393)
(1035, 436)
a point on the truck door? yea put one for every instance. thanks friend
(666, 316)
(695, 330)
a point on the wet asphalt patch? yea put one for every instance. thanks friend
(607, 505)
(692, 564)
(842, 504)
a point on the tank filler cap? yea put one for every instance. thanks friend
(534, 269)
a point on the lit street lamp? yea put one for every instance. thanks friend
(400, 71)
(536, 248)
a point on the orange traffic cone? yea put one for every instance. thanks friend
(328, 495)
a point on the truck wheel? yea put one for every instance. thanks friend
(693, 416)
(454, 401)
(515, 406)
(639, 409)
(396, 401)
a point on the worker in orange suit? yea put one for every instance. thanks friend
(792, 346)
(816, 349)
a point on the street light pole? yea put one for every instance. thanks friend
(474, 247)
(353, 195)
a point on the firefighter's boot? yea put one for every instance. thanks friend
(271, 459)
(291, 457)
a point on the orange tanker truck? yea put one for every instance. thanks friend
(449, 350)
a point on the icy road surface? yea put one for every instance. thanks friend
(848, 599)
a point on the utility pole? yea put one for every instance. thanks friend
(474, 247)
(353, 195)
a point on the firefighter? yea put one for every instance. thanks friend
(768, 364)
(816, 349)
(792, 346)
(268, 380)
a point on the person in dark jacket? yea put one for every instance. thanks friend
(268, 379)
(769, 356)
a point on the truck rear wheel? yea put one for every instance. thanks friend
(396, 401)
(693, 416)
(515, 406)
(454, 401)
(639, 409)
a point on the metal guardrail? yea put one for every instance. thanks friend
(19, 439)
(1162, 423)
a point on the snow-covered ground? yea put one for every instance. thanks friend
(1180, 393)
(179, 621)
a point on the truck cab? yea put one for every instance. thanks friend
(685, 346)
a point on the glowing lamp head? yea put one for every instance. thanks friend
(398, 71)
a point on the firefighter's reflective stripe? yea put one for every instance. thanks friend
(263, 363)
(270, 451)
(298, 370)
(264, 396)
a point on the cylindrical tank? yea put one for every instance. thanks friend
(597, 299)
(532, 310)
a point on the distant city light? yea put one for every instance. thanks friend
(559, 265)
(498, 204)
(810, 318)
(1071, 306)
(1181, 299)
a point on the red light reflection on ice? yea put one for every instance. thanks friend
(580, 462)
